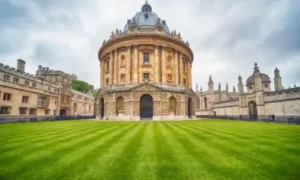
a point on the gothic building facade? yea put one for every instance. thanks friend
(145, 72)
(47, 93)
(257, 101)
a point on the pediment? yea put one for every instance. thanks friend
(146, 87)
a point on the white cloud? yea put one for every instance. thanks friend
(227, 37)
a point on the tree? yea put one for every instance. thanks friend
(82, 86)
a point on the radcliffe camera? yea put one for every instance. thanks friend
(149, 90)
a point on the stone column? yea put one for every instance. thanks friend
(175, 67)
(135, 64)
(156, 64)
(163, 64)
(116, 58)
(128, 64)
(111, 68)
(101, 74)
(180, 68)
(189, 75)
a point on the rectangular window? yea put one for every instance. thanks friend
(146, 76)
(75, 105)
(4, 110)
(90, 107)
(122, 77)
(49, 88)
(184, 82)
(169, 77)
(23, 110)
(6, 77)
(107, 66)
(25, 99)
(6, 97)
(16, 80)
(184, 66)
(33, 85)
(146, 58)
(26, 83)
(32, 111)
(107, 81)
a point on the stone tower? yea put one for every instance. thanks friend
(227, 90)
(277, 80)
(240, 85)
(220, 89)
(258, 80)
(210, 84)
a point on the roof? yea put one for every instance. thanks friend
(147, 19)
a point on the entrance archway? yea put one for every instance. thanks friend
(190, 105)
(146, 107)
(101, 108)
(252, 110)
(62, 112)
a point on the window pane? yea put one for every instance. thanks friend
(146, 58)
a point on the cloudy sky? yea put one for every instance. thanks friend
(227, 37)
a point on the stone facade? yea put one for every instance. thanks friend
(259, 100)
(47, 93)
(145, 60)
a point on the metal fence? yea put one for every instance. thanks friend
(18, 119)
(278, 119)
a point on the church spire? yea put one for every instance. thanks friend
(210, 84)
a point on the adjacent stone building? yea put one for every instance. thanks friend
(48, 93)
(145, 72)
(259, 100)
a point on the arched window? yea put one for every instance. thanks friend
(205, 102)
(172, 105)
(123, 63)
(120, 105)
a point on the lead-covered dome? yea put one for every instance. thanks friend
(146, 19)
(251, 80)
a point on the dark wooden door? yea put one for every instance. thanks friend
(146, 107)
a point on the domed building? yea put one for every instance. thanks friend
(258, 102)
(146, 72)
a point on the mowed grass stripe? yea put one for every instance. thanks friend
(44, 128)
(206, 150)
(123, 156)
(146, 164)
(255, 144)
(44, 157)
(190, 168)
(59, 134)
(167, 163)
(252, 163)
(45, 143)
(70, 167)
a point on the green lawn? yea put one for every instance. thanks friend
(205, 149)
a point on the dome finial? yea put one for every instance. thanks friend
(146, 7)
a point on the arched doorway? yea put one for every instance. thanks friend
(120, 105)
(62, 112)
(172, 106)
(190, 105)
(146, 107)
(101, 108)
(252, 110)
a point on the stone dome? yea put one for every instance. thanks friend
(251, 80)
(265, 79)
(146, 19)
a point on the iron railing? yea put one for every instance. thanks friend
(278, 119)
(22, 119)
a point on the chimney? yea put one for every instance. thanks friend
(21, 65)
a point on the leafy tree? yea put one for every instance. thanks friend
(82, 86)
